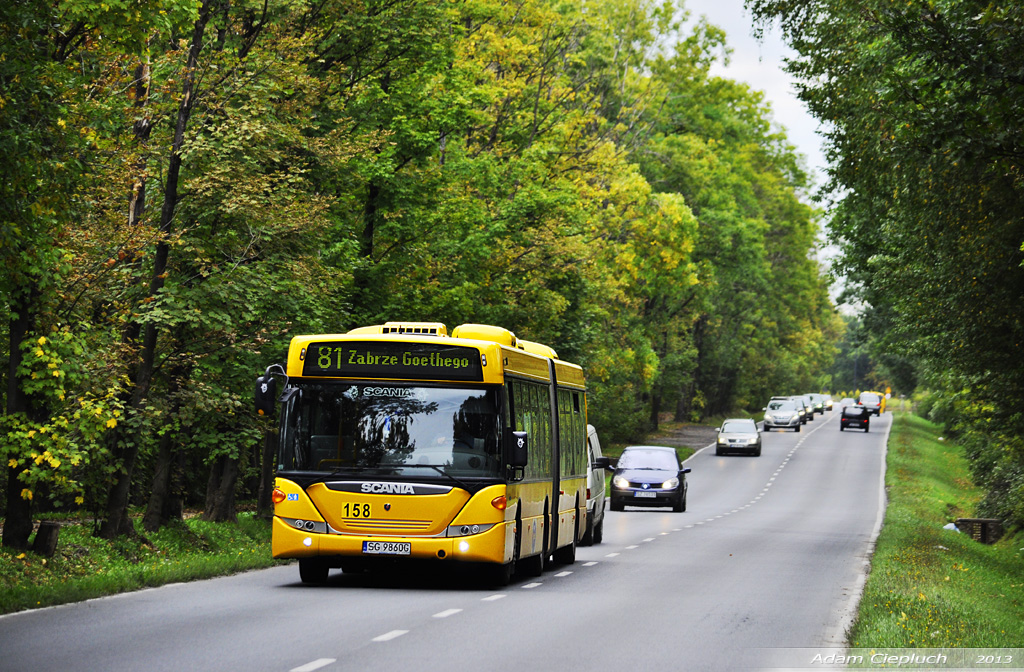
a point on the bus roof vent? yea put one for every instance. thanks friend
(415, 328)
(374, 329)
(538, 349)
(485, 332)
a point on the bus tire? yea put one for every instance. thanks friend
(532, 566)
(313, 570)
(566, 555)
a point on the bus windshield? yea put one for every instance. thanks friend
(390, 428)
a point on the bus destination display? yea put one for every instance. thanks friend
(412, 361)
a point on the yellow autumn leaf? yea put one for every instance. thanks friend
(112, 423)
(42, 340)
(26, 494)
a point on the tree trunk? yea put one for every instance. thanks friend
(117, 522)
(157, 514)
(45, 543)
(220, 490)
(364, 304)
(18, 520)
(264, 505)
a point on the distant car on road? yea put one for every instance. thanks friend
(738, 435)
(783, 413)
(649, 476)
(595, 490)
(817, 403)
(870, 401)
(846, 401)
(855, 415)
(828, 402)
(808, 405)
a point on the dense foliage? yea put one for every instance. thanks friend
(188, 183)
(924, 102)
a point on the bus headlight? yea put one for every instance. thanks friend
(466, 530)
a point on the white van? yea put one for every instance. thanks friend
(595, 491)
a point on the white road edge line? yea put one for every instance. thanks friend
(314, 665)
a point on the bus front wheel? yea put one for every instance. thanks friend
(313, 570)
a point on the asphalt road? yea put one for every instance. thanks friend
(764, 566)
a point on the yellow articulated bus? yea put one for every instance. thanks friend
(402, 442)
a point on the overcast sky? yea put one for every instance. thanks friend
(759, 64)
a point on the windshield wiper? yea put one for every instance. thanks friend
(441, 469)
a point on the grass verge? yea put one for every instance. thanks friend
(85, 566)
(930, 587)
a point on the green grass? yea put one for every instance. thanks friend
(86, 566)
(931, 587)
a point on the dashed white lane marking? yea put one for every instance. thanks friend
(532, 585)
(590, 564)
(446, 613)
(566, 573)
(388, 636)
(492, 598)
(649, 539)
(314, 665)
(630, 548)
(611, 555)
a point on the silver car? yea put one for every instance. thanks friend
(738, 435)
(782, 414)
(595, 490)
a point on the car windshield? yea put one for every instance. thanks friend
(868, 398)
(781, 406)
(644, 458)
(852, 410)
(739, 427)
(392, 428)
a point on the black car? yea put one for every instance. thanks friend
(649, 476)
(854, 416)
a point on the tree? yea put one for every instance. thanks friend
(923, 102)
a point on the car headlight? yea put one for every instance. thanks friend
(670, 483)
(794, 417)
(722, 440)
(620, 482)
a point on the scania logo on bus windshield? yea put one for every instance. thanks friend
(389, 488)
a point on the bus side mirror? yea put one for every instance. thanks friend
(520, 450)
(266, 395)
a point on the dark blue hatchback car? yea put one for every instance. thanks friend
(649, 476)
